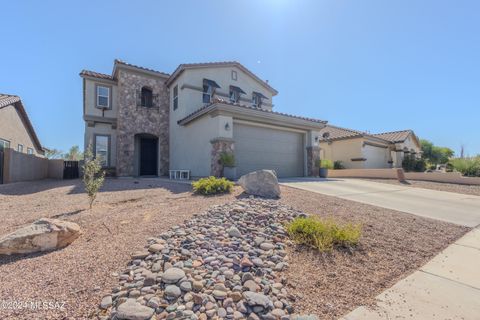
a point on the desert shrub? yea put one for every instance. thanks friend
(212, 185)
(325, 164)
(323, 234)
(93, 175)
(227, 159)
(338, 165)
(411, 163)
(469, 167)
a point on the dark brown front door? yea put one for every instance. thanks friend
(148, 157)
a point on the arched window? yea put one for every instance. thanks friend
(146, 97)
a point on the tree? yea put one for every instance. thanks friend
(435, 154)
(93, 175)
(74, 154)
(53, 153)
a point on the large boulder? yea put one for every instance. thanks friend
(42, 235)
(262, 183)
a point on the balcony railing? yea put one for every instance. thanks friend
(146, 100)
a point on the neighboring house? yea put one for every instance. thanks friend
(361, 150)
(145, 122)
(16, 130)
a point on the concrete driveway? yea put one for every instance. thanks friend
(446, 206)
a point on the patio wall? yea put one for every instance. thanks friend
(19, 166)
(449, 177)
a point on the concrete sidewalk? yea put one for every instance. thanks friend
(447, 287)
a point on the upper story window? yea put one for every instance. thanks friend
(103, 97)
(235, 93)
(257, 99)
(175, 97)
(29, 151)
(209, 87)
(146, 97)
(20, 147)
(4, 144)
(234, 75)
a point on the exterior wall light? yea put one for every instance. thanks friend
(227, 126)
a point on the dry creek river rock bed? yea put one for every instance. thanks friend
(222, 264)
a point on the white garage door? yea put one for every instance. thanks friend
(265, 148)
(377, 157)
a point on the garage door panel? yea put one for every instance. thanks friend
(377, 157)
(265, 148)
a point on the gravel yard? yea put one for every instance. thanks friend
(125, 216)
(439, 186)
(394, 244)
(128, 212)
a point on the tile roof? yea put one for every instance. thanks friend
(237, 64)
(222, 101)
(94, 74)
(118, 61)
(394, 136)
(330, 133)
(8, 99)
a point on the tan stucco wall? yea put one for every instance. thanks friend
(343, 150)
(91, 96)
(190, 100)
(26, 167)
(102, 129)
(13, 130)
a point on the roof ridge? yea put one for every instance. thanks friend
(346, 129)
(119, 61)
(396, 131)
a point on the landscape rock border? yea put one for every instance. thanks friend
(223, 264)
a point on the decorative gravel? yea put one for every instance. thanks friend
(439, 186)
(224, 264)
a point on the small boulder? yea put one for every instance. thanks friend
(42, 235)
(263, 183)
(132, 310)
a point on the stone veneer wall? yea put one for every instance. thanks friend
(134, 120)
(220, 145)
(313, 156)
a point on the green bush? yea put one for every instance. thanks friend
(325, 164)
(227, 159)
(338, 165)
(323, 234)
(411, 163)
(469, 167)
(212, 185)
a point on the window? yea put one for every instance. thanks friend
(234, 96)
(29, 151)
(175, 97)
(102, 149)
(256, 100)
(20, 148)
(234, 75)
(146, 98)
(209, 87)
(207, 93)
(235, 93)
(4, 144)
(103, 97)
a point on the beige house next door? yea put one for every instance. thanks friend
(268, 148)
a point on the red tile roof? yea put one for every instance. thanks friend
(94, 74)
(394, 136)
(330, 133)
(118, 61)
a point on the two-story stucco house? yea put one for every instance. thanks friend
(145, 122)
(361, 150)
(16, 130)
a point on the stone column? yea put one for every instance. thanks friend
(219, 145)
(313, 156)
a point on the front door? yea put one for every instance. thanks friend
(148, 157)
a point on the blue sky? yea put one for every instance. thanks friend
(367, 65)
